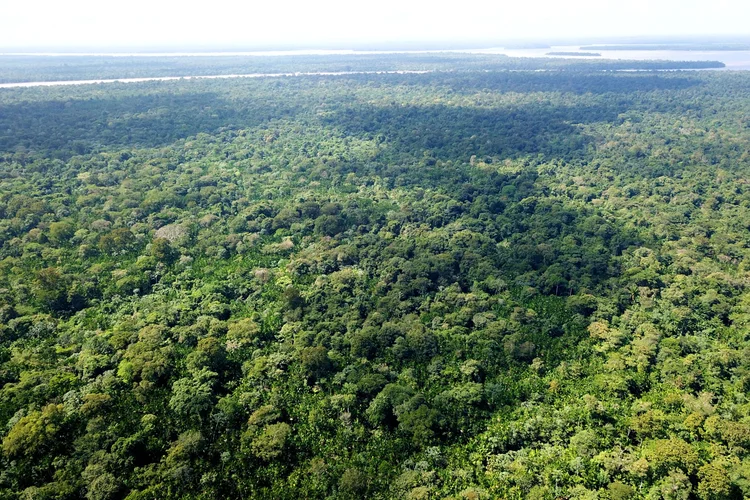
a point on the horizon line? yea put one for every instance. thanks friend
(364, 45)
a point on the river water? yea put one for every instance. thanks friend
(735, 60)
(203, 77)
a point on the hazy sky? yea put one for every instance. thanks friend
(26, 23)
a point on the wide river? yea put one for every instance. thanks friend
(734, 60)
(203, 77)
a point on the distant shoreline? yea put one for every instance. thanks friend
(698, 47)
(55, 83)
(574, 54)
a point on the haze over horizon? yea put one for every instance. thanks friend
(140, 24)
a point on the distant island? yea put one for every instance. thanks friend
(574, 54)
(672, 46)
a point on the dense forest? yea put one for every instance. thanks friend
(467, 285)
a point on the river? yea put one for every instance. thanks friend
(203, 77)
(734, 60)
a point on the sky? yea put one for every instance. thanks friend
(337, 23)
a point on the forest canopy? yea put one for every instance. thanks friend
(458, 284)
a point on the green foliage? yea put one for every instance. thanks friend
(61, 232)
(34, 431)
(272, 440)
(192, 397)
(118, 240)
(462, 284)
(163, 252)
(352, 484)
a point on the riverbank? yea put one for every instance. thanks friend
(201, 77)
